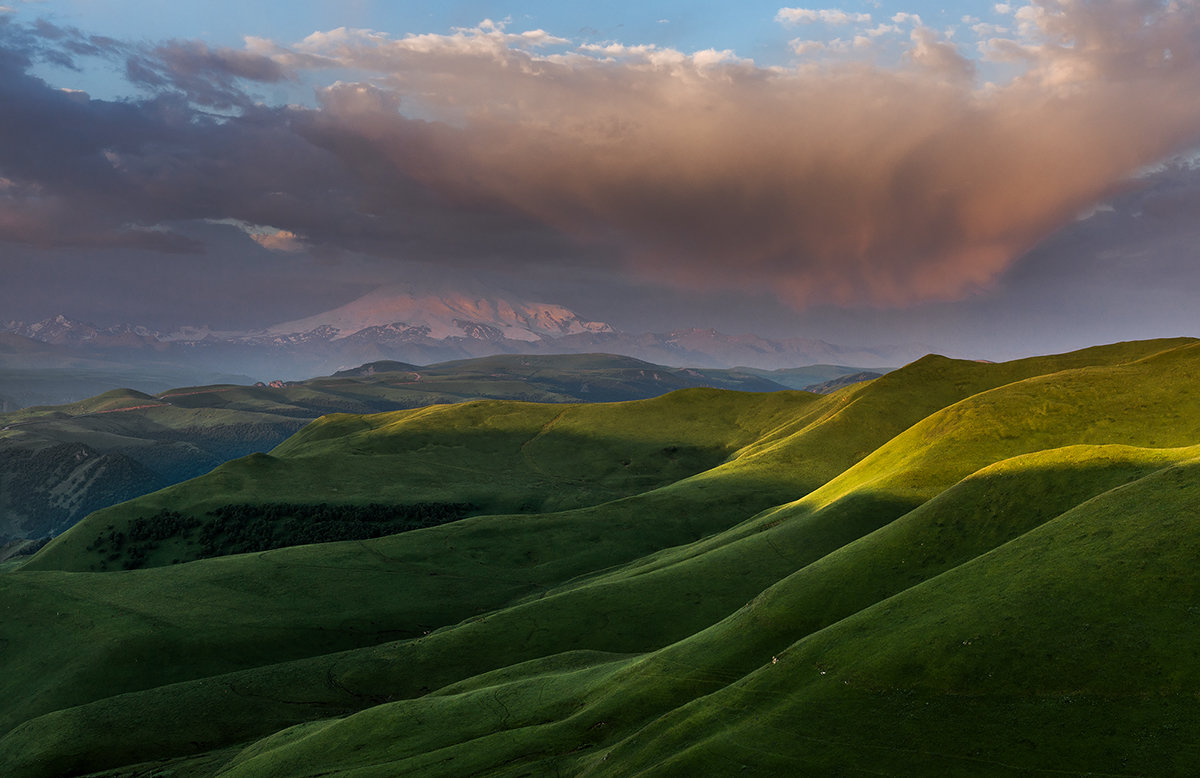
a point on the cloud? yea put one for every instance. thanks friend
(985, 28)
(824, 183)
(882, 29)
(206, 76)
(848, 183)
(661, 57)
(85, 172)
(279, 240)
(939, 56)
(826, 15)
(801, 47)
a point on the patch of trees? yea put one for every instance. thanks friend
(242, 528)
(161, 526)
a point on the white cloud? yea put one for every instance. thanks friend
(802, 47)
(710, 57)
(985, 29)
(941, 57)
(652, 54)
(882, 29)
(488, 39)
(836, 46)
(826, 15)
(904, 17)
(613, 49)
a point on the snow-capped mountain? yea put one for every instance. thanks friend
(62, 331)
(422, 328)
(446, 316)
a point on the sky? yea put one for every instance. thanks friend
(987, 180)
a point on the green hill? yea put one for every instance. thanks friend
(60, 463)
(957, 568)
(499, 457)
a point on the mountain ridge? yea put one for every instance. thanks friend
(447, 315)
(407, 326)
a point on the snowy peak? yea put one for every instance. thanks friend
(425, 327)
(62, 331)
(447, 316)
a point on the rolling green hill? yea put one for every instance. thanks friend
(60, 463)
(958, 568)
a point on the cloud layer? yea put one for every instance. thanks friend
(844, 181)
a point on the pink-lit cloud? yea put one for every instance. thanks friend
(826, 15)
(278, 240)
(842, 181)
(848, 183)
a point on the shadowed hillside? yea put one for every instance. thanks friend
(956, 568)
(60, 463)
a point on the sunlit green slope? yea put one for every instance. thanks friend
(500, 457)
(60, 463)
(958, 568)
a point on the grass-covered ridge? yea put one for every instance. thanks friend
(60, 463)
(958, 568)
(501, 457)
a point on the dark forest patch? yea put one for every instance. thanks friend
(242, 528)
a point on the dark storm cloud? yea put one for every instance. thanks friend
(76, 171)
(849, 183)
(209, 77)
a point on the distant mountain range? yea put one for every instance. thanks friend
(397, 324)
(34, 372)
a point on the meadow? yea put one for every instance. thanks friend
(958, 568)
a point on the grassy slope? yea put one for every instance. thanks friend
(985, 510)
(185, 432)
(1073, 647)
(534, 661)
(492, 561)
(503, 457)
